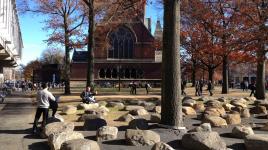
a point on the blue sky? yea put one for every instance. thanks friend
(33, 34)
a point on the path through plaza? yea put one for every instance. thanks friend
(16, 117)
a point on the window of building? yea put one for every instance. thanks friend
(114, 73)
(102, 73)
(108, 73)
(121, 44)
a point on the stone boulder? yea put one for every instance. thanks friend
(258, 110)
(200, 107)
(69, 109)
(162, 146)
(58, 127)
(126, 117)
(141, 137)
(265, 127)
(222, 99)
(250, 98)
(102, 103)
(186, 98)
(102, 110)
(84, 106)
(189, 102)
(203, 141)
(107, 133)
(261, 103)
(214, 104)
(245, 113)
(215, 121)
(55, 140)
(94, 124)
(239, 103)
(188, 110)
(89, 116)
(80, 144)
(228, 107)
(242, 131)
(56, 118)
(117, 105)
(155, 118)
(233, 119)
(212, 111)
(204, 99)
(157, 109)
(141, 124)
(134, 102)
(133, 107)
(256, 142)
(205, 127)
(138, 112)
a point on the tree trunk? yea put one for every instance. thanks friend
(67, 75)
(225, 69)
(171, 115)
(260, 83)
(90, 46)
(210, 74)
(193, 72)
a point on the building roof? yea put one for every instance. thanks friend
(79, 56)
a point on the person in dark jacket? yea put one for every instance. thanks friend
(210, 88)
(88, 96)
(252, 88)
(54, 105)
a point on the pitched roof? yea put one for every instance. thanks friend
(79, 56)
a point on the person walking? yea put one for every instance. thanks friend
(252, 88)
(210, 88)
(246, 85)
(42, 98)
(201, 84)
(147, 87)
(197, 88)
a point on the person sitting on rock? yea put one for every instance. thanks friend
(88, 96)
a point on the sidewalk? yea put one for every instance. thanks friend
(15, 126)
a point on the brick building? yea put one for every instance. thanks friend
(130, 53)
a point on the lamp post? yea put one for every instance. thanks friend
(119, 77)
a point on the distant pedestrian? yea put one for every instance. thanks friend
(201, 84)
(197, 88)
(147, 87)
(246, 85)
(252, 88)
(210, 88)
(134, 86)
(131, 87)
(43, 97)
(242, 84)
(183, 86)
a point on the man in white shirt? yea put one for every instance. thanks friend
(42, 98)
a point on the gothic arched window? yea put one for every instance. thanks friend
(121, 44)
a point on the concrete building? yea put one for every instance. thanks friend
(10, 36)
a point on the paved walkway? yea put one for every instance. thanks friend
(16, 117)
